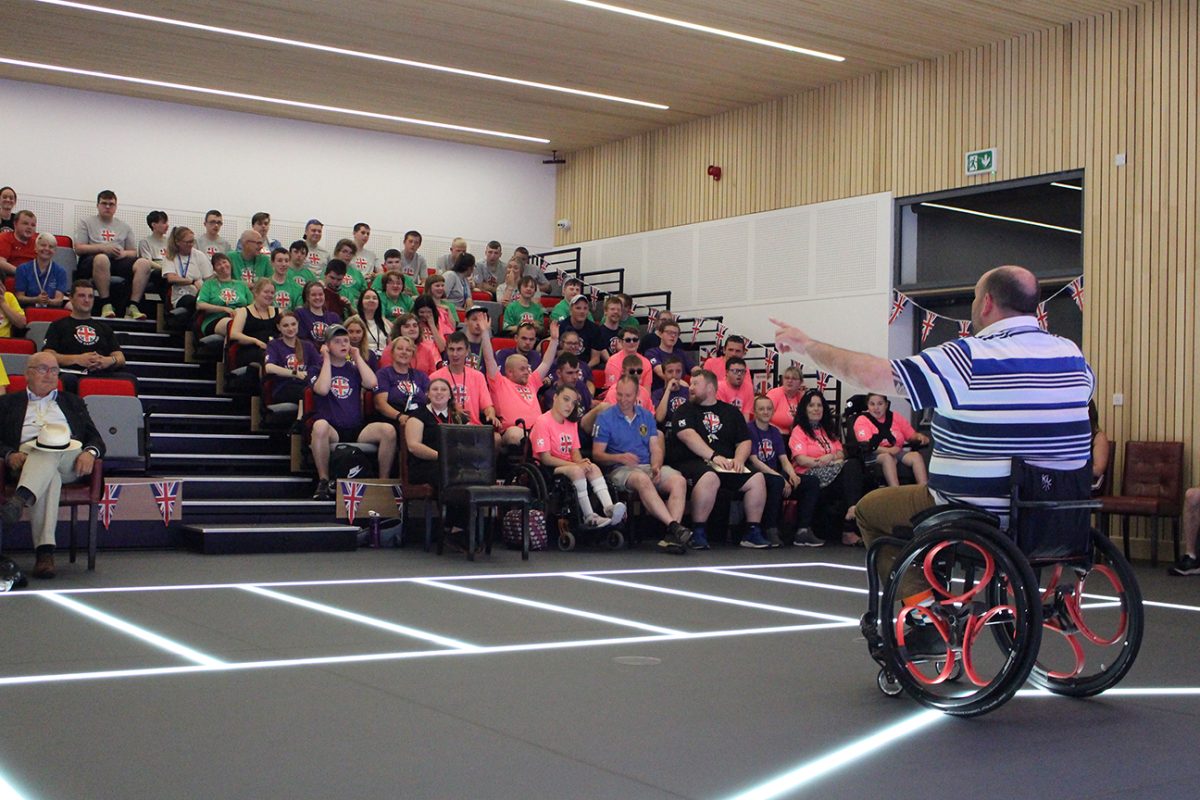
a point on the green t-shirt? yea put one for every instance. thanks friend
(250, 271)
(563, 310)
(352, 287)
(631, 324)
(287, 295)
(299, 277)
(515, 313)
(410, 286)
(392, 310)
(231, 294)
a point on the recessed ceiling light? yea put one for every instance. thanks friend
(694, 26)
(1018, 220)
(184, 87)
(342, 51)
(1067, 186)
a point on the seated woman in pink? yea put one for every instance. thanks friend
(816, 449)
(431, 345)
(786, 398)
(884, 436)
(435, 289)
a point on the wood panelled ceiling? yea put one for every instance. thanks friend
(551, 41)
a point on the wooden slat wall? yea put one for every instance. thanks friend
(1064, 98)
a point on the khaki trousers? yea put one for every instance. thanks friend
(878, 513)
(43, 474)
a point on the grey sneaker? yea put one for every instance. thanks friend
(679, 532)
(804, 537)
(1188, 565)
(617, 513)
(773, 539)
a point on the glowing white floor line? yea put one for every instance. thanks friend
(150, 637)
(370, 581)
(792, 581)
(843, 756)
(361, 618)
(717, 599)
(238, 666)
(1129, 691)
(9, 792)
(574, 612)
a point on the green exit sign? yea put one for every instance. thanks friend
(980, 162)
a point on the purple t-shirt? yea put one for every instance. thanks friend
(404, 392)
(657, 357)
(534, 357)
(279, 354)
(678, 398)
(313, 327)
(342, 407)
(767, 445)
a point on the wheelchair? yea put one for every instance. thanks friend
(1051, 601)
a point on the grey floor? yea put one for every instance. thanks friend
(392, 687)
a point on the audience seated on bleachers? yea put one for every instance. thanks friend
(569, 341)
(420, 431)
(633, 366)
(186, 269)
(299, 271)
(617, 363)
(628, 321)
(370, 311)
(786, 399)
(446, 261)
(589, 332)
(317, 256)
(606, 337)
(477, 322)
(710, 444)
(526, 345)
(107, 248)
(769, 455)
(885, 437)
(314, 317)
(42, 283)
(335, 275)
(572, 287)
(255, 325)
(568, 372)
(528, 268)
(470, 386)
(353, 281)
(153, 248)
(735, 347)
(490, 270)
(431, 343)
(447, 312)
(393, 295)
(514, 388)
(210, 242)
(628, 443)
(524, 309)
(815, 448)
(735, 389)
(401, 386)
(652, 339)
(84, 346)
(667, 345)
(289, 359)
(248, 262)
(18, 244)
(337, 388)
(8, 201)
(220, 296)
(555, 443)
(673, 393)
(458, 281)
(11, 314)
(510, 288)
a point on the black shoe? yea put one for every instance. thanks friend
(680, 532)
(322, 492)
(675, 540)
(1188, 565)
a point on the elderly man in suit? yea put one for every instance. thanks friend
(47, 437)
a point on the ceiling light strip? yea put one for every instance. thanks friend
(693, 26)
(184, 87)
(342, 51)
(1067, 186)
(1002, 218)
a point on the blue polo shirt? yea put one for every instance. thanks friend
(621, 435)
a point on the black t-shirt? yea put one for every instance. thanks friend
(73, 337)
(589, 334)
(608, 339)
(721, 426)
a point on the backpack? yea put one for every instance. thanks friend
(511, 529)
(347, 462)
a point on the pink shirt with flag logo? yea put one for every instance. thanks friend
(553, 437)
(470, 391)
(514, 401)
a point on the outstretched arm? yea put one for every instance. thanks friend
(870, 372)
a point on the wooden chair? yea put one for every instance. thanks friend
(86, 492)
(1151, 486)
(425, 492)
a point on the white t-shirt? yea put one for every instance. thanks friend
(198, 266)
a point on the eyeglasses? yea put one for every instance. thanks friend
(630, 341)
(736, 371)
(634, 371)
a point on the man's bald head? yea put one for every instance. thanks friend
(42, 359)
(1003, 292)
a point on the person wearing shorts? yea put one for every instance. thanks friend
(627, 441)
(106, 247)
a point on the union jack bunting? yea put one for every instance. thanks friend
(764, 386)
(594, 294)
(769, 359)
(543, 264)
(822, 380)
(697, 324)
(398, 494)
(352, 497)
(1075, 287)
(721, 332)
(108, 503)
(1043, 317)
(964, 328)
(709, 352)
(166, 495)
(652, 315)
(899, 301)
(798, 365)
(927, 325)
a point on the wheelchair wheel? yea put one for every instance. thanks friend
(615, 539)
(979, 580)
(566, 539)
(888, 684)
(529, 476)
(1097, 616)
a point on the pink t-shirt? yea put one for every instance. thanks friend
(553, 437)
(785, 410)
(716, 365)
(610, 396)
(616, 365)
(902, 429)
(427, 356)
(741, 398)
(470, 391)
(514, 401)
(801, 444)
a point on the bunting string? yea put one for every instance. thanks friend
(901, 301)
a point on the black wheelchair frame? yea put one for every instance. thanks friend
(982, 581)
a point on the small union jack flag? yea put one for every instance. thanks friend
(899, 301)
(798, 365)
(769, 359)
(398, 495)
(1043, 317)
(352, 496)
(822, 380)
(964, 328)
(594, 294)
(927, 325)
(562, 277)
(764, 386)
(543, 264)
(652, 315)
(697, 324)
(1075, 287)
(108, 503)
(721, 332)
(709, 352)
(166, 494)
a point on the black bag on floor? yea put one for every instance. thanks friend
(349, 463)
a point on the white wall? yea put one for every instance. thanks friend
(70, 144)
(825, 267)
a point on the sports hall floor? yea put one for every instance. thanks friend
(398, 674)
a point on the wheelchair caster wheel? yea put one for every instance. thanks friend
(616, 540)
(955, 672)
(888, 685)
(566, 541)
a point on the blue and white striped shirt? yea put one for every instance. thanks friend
(1011, 390)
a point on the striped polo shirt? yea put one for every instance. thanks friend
(1011, 390)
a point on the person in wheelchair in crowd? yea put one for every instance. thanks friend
(289, 359)
(568, 371)
(884, 437)
(555, 444)
(628, 442)
(420, 430)
(514, 391)
(1011, 389)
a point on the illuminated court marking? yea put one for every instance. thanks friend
(574, 612)
(716, 598)
(360, 618)
(9, 792)
(792, 581)
(138, 632)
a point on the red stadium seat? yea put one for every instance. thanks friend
(477, 295)
(502, 343)
(106, 386)
(16, 383)
(549, 302)
(64, 241)
(462, 315)
(45, 314)
(24, 346)
(599, 378)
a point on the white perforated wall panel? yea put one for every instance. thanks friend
(845, 248)
(781, 255)
(669, 263)
(723, 263)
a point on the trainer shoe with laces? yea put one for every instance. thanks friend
(108, 312)
(754, 539)
(772, 536)
(594, 520)
(680, 532)
(616, 513)
(1188, 565)
(322, 491)
(670, 543)
(698, 541)
(133, 312)
(804, 537)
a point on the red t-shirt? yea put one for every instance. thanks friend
(785, 410)
(616, 365)
(741, 398)
(514, 401)
(553, 437)
(16, 253)
(470, 391)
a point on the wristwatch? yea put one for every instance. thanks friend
(93, 450)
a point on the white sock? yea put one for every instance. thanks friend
(581, 491)
(601, 490)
